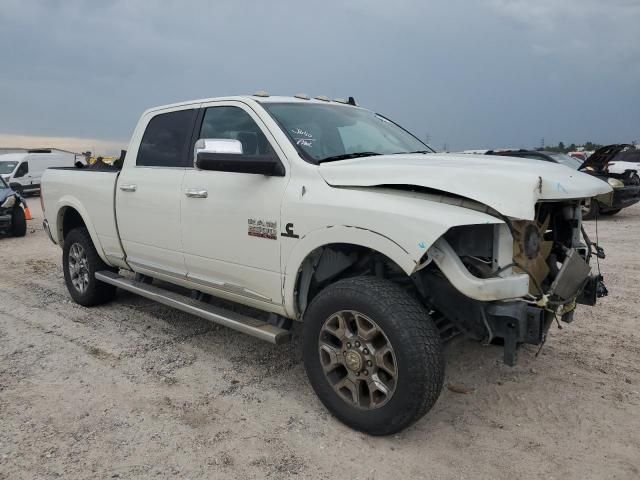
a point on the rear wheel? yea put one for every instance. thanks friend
(372, 354)
(80, 262)
(18, 222)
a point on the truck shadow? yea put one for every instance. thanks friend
(248, 368)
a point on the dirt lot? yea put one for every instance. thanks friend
(136, 390)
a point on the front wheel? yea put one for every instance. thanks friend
(80, 262)
(372, 354)
(18, 222)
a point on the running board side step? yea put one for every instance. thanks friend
(236, 321)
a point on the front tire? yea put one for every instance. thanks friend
(80, 262)
(372, 354)
(18, 222)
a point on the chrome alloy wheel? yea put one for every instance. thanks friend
(78, 268)
(357, 359)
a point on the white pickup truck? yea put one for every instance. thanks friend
(258, 210)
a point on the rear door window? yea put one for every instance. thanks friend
(165, 142)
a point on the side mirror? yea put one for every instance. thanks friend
(226, 155)
(218, 145)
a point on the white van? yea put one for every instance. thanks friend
(22, 171)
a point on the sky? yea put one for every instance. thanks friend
(464, 74)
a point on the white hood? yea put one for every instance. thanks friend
(511, 186)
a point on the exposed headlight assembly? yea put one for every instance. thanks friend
(615, 183)
(9, 202)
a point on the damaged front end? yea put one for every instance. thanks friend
(509, 282)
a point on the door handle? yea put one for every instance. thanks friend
(196, 193)
(128, 188)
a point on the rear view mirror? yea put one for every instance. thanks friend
(226, 155)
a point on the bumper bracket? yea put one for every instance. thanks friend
(516, 323)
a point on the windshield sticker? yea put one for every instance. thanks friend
(302, 137)
(262, 229)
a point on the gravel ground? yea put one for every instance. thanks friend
(136, 390)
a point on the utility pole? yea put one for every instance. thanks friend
(542, 143)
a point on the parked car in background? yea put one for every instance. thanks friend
(626, 159)
(583, 155)
(23, 171)
(12, 217)
(626, 185)
(622, 176)
(326, 213)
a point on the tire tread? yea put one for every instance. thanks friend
(97, 292)
(18, 222)
(420, 339)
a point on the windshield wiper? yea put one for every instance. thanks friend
(346, 156)
(407, 153)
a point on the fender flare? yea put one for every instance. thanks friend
(344, 234)
(68, 201)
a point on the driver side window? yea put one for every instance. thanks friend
(236, 124)
(23, 169)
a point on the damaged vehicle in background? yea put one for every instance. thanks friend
(625, 183)
(12, 217)
(626, 159)
(256, 211)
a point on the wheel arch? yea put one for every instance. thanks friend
(310, 249)
(71, 214)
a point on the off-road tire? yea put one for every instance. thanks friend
(412, 335)
(18, 222)
(96, 292)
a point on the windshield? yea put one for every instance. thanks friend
(321, 132)
(7, 167)
(567, 160)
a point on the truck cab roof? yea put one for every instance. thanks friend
(258, 98)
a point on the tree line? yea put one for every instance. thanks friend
(562, 148)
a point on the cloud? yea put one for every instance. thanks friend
(591, 28)
(467, 73)
(548, 14)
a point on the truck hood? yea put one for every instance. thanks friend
(511, 186)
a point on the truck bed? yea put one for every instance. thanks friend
(91, 193)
